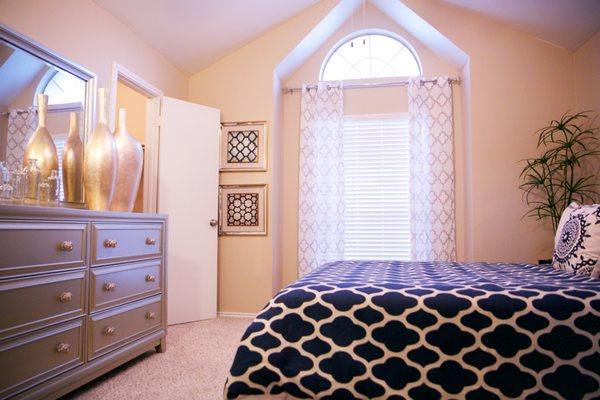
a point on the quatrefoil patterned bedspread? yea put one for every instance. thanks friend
(401, 330)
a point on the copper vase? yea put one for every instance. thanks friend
(100, 160)
(72, 163)
(130, 163)
(41, 146)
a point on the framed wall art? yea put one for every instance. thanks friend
(243, 146)
(243, 210)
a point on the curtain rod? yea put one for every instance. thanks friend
(404, 82)
(52, 108)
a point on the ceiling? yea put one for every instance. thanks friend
(18, 69)
(193, 34)
(566, 23)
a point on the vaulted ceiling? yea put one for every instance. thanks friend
(193, 34)
(566, 23)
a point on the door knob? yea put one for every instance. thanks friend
(213, 222)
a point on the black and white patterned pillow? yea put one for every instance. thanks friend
(577, 240)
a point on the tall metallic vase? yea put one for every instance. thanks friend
(41, 146)
(100, 160)
(72, 163)
(131, 161)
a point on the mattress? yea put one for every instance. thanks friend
(397, 330)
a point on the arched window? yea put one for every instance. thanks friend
(61, 87)
(368, 55)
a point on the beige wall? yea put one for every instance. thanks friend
(243, 86)
(587, 75)
(86, 34)
(357, 101)
(518, 84)
(587, 87)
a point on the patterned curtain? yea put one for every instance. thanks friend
(21, 124)
(321, 194)
(431, 170)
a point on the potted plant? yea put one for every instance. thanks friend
(558, 176)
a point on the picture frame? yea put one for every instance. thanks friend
(243, 146)
(243, 210)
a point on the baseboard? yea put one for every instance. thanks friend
(233, 314)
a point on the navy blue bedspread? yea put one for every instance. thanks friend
(401, 330)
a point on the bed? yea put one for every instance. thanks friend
(405, 330)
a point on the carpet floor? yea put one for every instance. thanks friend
(195, 366)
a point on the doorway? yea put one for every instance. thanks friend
(143, 103)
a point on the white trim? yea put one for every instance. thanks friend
(233, 314)
(371, 31)
(153, 112)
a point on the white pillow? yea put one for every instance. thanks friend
(577, 240)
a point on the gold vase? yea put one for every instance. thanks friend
(100, 160)
(129, 170)
(41, 146)
(72, 163)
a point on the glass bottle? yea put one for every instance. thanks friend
(32, 172)
(6, 189)
(53, 183)
(4, 175)
(44, 191)
(19, 183)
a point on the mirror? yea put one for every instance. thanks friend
(26, 70)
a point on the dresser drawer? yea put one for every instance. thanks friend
(114, 285)
(115, 327)
(29, 359)
(113, 243)
(35, 301)
(32, 247)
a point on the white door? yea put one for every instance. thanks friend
(188, 179)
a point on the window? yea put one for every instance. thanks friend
(368, 56)
(61, 88)
(376, 158)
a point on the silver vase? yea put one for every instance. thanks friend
(130, 163)
(41, 146)
(100, 160)
(72, 163)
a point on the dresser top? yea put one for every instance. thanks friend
(25, 210)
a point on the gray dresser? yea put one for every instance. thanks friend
(81, 292)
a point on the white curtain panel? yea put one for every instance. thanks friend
(21, 124)
(321, 178)
(431, 170)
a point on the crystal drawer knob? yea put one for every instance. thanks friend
(65, 297)
(109, 286)
(63, 348)
(150, 241)
(110, 331)
(110, 243)
(150, 315)
(67, 245)
(150, 278)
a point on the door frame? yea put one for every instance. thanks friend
(152, 134)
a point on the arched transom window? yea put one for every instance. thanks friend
(369, 56)
(61, 87)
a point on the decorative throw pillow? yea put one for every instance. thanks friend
(577, 240)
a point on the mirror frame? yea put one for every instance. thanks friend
(37, 50)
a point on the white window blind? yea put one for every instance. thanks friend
(376, 158)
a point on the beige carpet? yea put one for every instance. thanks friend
(194, 366)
